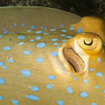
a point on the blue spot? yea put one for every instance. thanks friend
(84, 94)
(64, 40)
(54, 39)
(31, 40)
(51, 77)
(45, 28)
(71, 74)
(96, 86)
(29, 30)
(23, 24)
(98, 60)
(32, 27)
(72, 28)
(0, 36)
(2, 81)
(74, 78)
(38, 38)
(32, 97)
(15, 102)
(54, 53)
(49, 86)
(1, 63)
(91, 69)
(19, 44)
(79, 30)
(52, 29)
(41, 27)
(55, 44)
(15, 24)
(6, 48)
(1, 97)
(10, 60)
(45, 33)
(5, 32)
(63, 30)
(26, 73)
(69, 89)
(85, 80)
(34, 88)
(62, 25)
(60, 102)
(62, 35)
(10, 26)
(21, 37)
(4, 67)
(40, 45)
(69, 37)
(93, 103)
(99, 74)
(26, 52)
(39, 59)
(103, 91)
(38, 32)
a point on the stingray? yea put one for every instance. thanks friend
(44, 60)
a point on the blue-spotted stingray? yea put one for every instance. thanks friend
(43, 61)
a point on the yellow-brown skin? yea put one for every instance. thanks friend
(17, 87)
(91, 24)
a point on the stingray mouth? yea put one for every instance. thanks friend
(74, 60)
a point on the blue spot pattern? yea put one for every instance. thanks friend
(93, 103)
(20, 43)
(91, 69)
(38, 38)
(32, 97)
(85, 80)
(40, 45)
(96, 86)
(6, 48)
(21, 37)
(4, 67)
(34, 88)
(0, 36)
(69, 89)
(54, 53)
(15, 102)
(84, 94)
(1, 97)
(26, 52)
(10, 60)
(49, 86)
(98, 59)
(32, 27)
(72, 28)
(51, 77)
(38, 32)
(2, 81)
(39, 59)
(60, 102)
(52, 29)
(99, 74)
(79, 30)
(54, 39)
(1, 63)
(26, 73)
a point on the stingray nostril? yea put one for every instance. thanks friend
(88, 42)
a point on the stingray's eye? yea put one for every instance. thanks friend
(88, 43)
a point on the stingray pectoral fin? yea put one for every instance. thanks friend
(74, 59)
